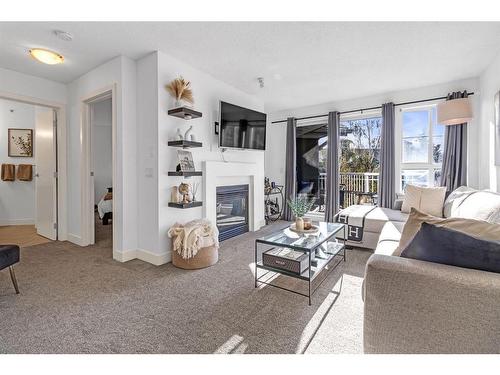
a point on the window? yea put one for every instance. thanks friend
(421, 147)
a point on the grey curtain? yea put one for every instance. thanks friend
(387, 182)
(454, 170)
(332, 168)
(290, 166)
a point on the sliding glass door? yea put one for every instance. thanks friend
(311, 163)
(359, 159)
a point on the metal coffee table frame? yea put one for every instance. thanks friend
(316, 266)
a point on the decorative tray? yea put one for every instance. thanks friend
(314, 229)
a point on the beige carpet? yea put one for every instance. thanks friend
(78, 300)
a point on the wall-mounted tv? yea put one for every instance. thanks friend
(241, 128)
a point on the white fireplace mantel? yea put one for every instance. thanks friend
(218, 173)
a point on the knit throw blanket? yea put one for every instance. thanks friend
(189, 238)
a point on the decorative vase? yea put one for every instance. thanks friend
(174, 194)
(179, 135)
(299, 223)
(178, 103)
(307, 223)
(187, 133)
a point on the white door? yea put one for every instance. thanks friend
(45, 176)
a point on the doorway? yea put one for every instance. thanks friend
(29, 184)
(98, 129)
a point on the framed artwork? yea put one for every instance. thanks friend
(20, 143)
(185, 161)
(497, 129)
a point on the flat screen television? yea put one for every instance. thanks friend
(241, 128)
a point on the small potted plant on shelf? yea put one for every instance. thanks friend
(180, 89)
(300, 205)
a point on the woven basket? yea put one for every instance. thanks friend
(207, 256)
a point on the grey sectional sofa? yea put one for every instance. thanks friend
(413, 306)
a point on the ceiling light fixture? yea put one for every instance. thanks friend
(45, 56)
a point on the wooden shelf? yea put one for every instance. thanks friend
(184, 113)
(185, 144)
(185, 174)
(185, 205)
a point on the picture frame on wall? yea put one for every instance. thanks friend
(185, 161)
(497, 129)
(20, 143)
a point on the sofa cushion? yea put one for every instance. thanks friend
(376, 219)
(476, 228)
(425, 199)
(389, 238)
(469, 203)
(446, 246)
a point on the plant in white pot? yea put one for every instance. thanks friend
(300, 206)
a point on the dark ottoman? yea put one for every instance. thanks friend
(9, 255)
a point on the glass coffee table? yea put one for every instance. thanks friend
(282, 251)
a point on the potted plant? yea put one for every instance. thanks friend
(300, 205)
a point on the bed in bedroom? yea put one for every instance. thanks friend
(105, 207)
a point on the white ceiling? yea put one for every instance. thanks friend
(303, 63)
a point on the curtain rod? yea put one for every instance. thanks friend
(370, 108)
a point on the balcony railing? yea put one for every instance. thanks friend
(355, 188)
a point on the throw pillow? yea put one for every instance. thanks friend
(476, 228)
(447, 246)
(470, 203)
(427, 200)
(411, 198)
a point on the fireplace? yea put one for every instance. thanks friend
(232, 210)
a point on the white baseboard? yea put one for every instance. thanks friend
(77, 240)
(17, 222)
(144, 255)
(124, 256)
(156, 259)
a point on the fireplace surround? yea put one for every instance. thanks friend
(218, 173)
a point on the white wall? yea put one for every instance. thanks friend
(121, 72)
(147, 155)
(17, 198)
(101, 120)
(275, 147)
(30, 86)
(156, 158)
(208, 91)
(489, 177)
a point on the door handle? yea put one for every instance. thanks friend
(37, 175)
